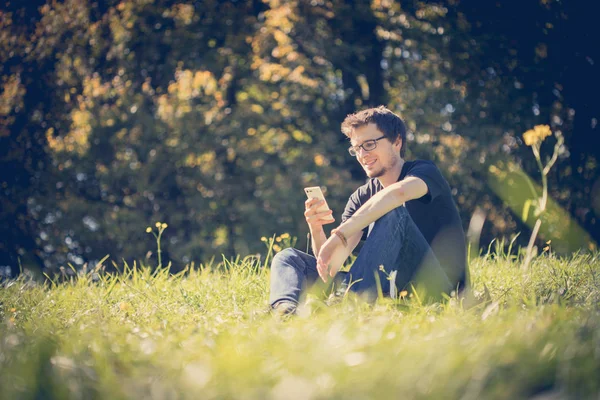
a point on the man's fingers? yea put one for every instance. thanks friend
(332, 272)
(313, 209)
(323, 217)
(324, 214)
(322, 269)
(313, 216)
(312, 202)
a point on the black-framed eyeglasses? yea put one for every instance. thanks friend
(367, 145)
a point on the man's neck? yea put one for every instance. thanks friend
(392, 175)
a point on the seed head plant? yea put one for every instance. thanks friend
(160, 228)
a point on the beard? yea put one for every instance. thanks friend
(377, 173)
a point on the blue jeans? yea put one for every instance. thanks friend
(394, 242)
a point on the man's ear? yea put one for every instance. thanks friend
(398, 143)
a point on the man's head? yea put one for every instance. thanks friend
(377, 136)
(385, 120)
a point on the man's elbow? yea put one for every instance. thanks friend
(399, 195)
(404, 192)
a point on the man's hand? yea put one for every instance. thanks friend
(316, 219)
(332, 255)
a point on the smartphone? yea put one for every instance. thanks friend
(314, 192)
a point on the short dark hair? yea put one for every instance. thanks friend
(390, 124)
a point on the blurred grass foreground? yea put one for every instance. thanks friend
(204, 333)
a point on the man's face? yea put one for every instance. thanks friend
(379, 160)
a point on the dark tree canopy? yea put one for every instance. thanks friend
(211, 116)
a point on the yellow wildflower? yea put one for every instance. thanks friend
(148, 230)
(157, 224)
(164, 225)
(536, 135)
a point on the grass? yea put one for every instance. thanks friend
(204, 333)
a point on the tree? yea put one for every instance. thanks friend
(212, 116)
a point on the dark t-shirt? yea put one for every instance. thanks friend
(435, 214)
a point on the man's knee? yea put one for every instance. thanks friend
(391, 219)
(398, 213)
(287, 256)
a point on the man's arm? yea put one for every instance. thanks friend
(382, 202)
(315, 221)
(317, 238)
(338, 257)
(333, 253)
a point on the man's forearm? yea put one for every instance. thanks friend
(380, 204)
(317, 238)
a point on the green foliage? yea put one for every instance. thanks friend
(204, 333)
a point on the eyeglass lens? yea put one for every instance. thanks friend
(367, 146)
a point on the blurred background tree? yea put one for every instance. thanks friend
(211, 116)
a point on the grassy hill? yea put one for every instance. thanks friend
(204, 333)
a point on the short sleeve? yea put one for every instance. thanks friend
(352, 205)
(355, 201)
(428, 172)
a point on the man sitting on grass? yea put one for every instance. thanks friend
(404, 213)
